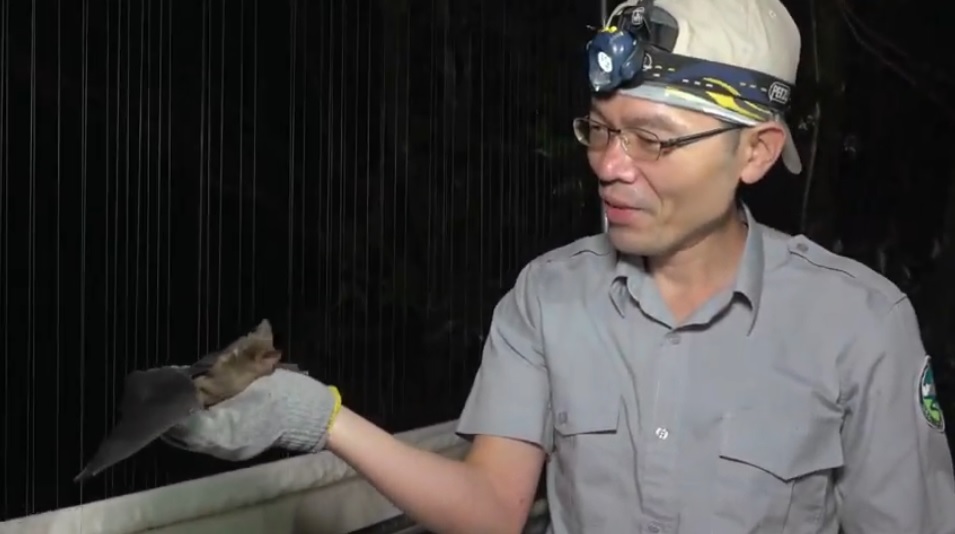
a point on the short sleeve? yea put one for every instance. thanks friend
(898, 467)
(511, 393)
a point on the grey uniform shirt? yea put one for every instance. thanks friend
(798, 401)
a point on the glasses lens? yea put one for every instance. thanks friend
(642, 145)
(590, 134)
(582, 131)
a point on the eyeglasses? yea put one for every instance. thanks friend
(639, 144)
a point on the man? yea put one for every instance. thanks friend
(688, 371)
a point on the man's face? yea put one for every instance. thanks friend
(657, 207)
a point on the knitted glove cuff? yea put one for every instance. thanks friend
(307, 413)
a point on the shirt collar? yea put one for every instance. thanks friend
(631, 280)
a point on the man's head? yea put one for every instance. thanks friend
(704, 115)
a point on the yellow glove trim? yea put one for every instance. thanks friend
(338, 405)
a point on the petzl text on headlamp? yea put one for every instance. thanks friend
(635, 46)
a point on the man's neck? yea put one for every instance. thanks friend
(691, 275)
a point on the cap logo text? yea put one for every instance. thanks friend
(779, 93)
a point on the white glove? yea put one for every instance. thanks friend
(286, 409)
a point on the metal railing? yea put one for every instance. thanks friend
(537, 523)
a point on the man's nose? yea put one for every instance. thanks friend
(612, 163)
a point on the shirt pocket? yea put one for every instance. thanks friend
(588, 467)
(586, 407)
(774, 469)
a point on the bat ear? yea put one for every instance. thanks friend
(264, 328)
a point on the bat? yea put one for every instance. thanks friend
(157, 399)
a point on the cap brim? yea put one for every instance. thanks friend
(694, 101)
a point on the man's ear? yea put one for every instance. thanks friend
(761, 145)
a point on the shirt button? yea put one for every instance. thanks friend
(662, 433)
(673, 338)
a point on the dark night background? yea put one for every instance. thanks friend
(370, 176)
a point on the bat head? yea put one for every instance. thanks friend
(245, 360)
(257, 350)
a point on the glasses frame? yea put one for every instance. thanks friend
(648, 137)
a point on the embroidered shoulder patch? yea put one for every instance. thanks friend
(927, 399)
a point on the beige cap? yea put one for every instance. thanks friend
(759, 35)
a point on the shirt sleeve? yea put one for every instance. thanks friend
(897, 475)
(511, 392)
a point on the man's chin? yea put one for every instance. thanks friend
(635, 242)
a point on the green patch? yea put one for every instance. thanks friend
(928, 400)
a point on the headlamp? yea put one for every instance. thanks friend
(635, 46)
(615, 57)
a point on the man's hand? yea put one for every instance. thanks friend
(286, 409)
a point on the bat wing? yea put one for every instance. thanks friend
(203, 365)
(153, 402)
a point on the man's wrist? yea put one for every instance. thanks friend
(339, 429)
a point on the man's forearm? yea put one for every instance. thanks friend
(441, 494)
